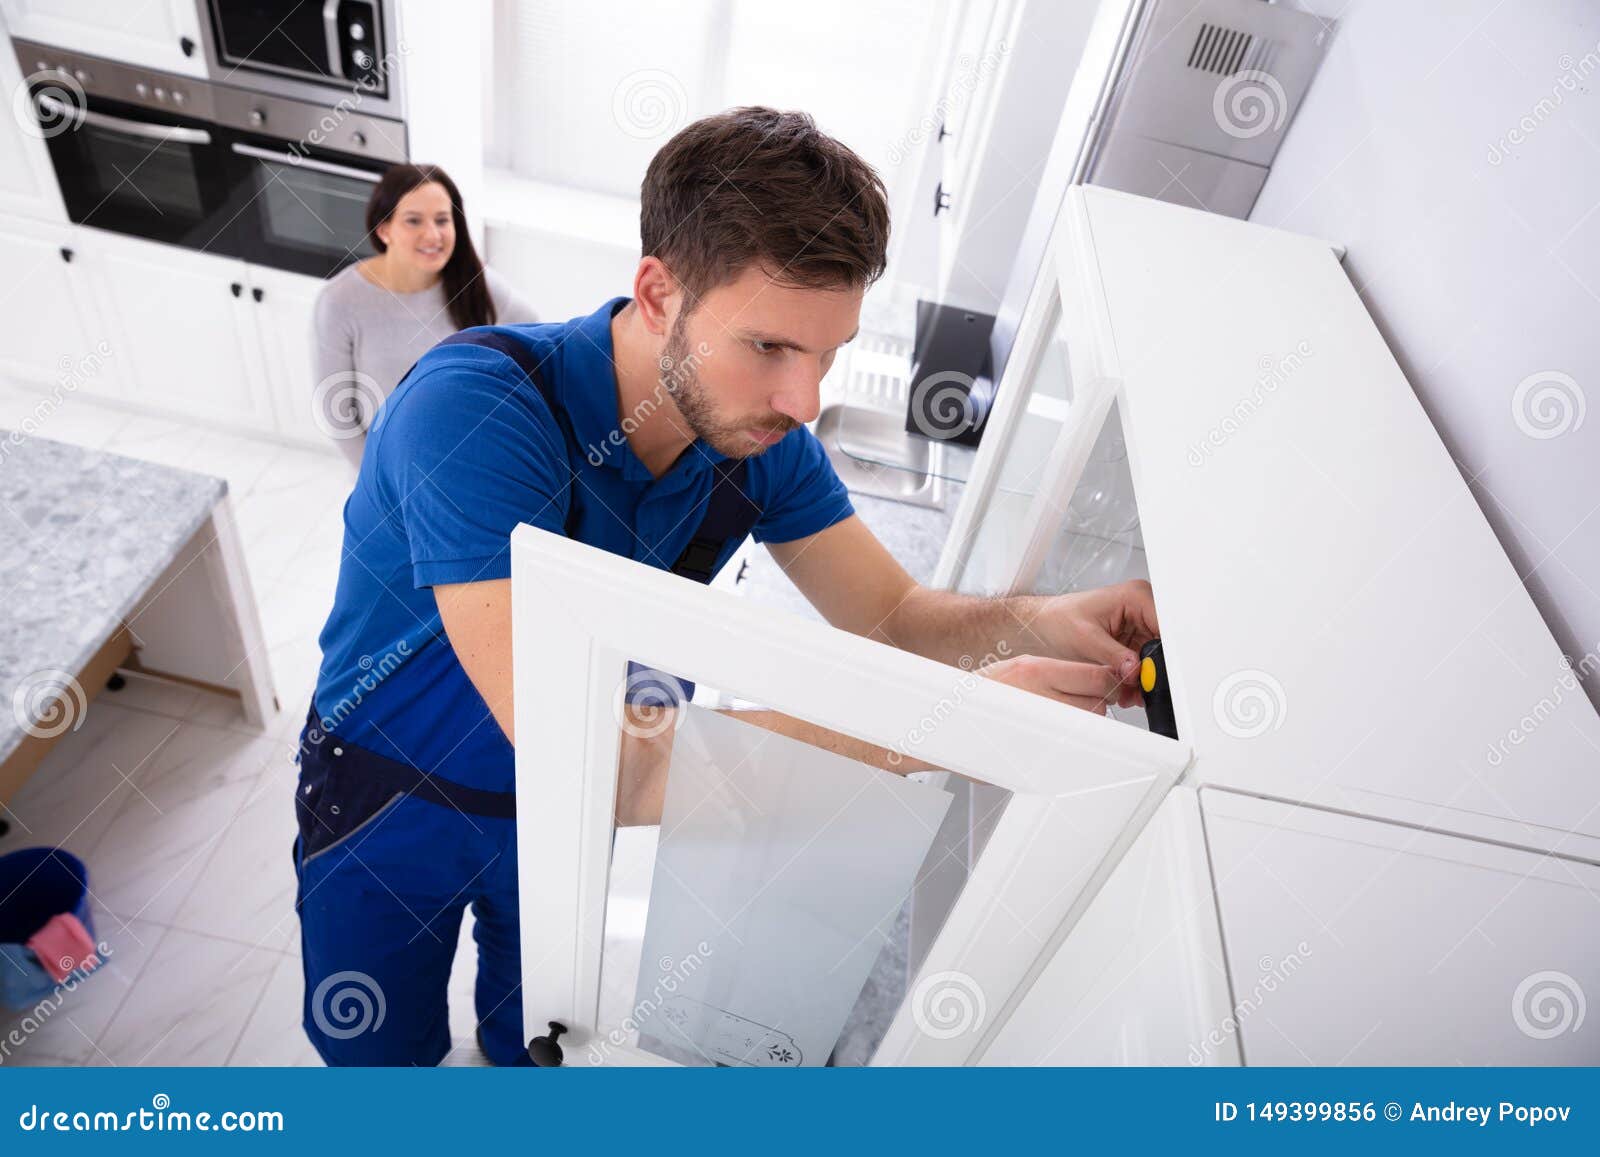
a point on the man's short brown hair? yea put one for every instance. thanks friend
(758, 185)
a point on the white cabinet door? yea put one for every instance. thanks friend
(282, 314)
(737, 924)
(51, 336)
(185, 331)
(1141, 978)
(163, 34)
(1356, 942)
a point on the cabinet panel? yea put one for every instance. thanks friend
(184, 336)
(1394, 946)
(152, 34)
(50, 332)
(1141, 979)
(282, 318)
(1340, 624)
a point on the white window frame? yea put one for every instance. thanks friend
(580, 614)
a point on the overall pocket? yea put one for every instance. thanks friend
(337, 798)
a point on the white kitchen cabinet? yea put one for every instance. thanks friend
(1343, 636)
(283, 304)
(1395, 946)
(612, 929)
(162, 34)
(54, 337)
(184, 331)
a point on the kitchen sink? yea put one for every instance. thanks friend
(873, 455)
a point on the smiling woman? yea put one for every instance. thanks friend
(375, 318)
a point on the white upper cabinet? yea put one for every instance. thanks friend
(1353, 942)
(1339, 622)
(162, 34)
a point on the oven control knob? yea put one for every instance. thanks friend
(141, 90)
(257, 117)
(161, 93)
(362, 57)
(178, 97)
(358, 139)
(83, 77)
(358, 31)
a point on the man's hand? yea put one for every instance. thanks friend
(1088, 686)
(1105, 626)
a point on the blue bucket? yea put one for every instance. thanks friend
(36, 885)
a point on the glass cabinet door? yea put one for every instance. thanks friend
(726, 888)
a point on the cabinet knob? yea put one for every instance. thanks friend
(66, 254)
(543, 1050)
(187, 45)
(258, 293)
(237, 288)
(941, 199)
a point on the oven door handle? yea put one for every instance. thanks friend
(330, 29)
(175, 134)
(307, 163)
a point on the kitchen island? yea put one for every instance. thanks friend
(106, 563)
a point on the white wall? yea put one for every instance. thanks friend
(1455, 150)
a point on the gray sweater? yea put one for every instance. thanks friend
(361, 329)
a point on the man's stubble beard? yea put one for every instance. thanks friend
(680, 379)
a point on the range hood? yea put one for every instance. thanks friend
(1202, 100)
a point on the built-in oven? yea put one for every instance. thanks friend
(277, 182)
(304, 176)
(131, 154)
(306, 49)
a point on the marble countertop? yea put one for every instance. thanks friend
(83, 535)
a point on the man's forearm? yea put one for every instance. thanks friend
(952, 627)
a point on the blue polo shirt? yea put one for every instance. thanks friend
(459, 454)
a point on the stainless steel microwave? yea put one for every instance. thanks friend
(311, 50)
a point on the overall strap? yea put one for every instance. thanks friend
(730, 512)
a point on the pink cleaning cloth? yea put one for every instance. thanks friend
(64, 945)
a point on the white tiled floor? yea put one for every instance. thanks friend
(182, 812)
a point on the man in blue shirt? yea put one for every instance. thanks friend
(661, 427)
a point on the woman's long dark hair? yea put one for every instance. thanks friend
(465, 290)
